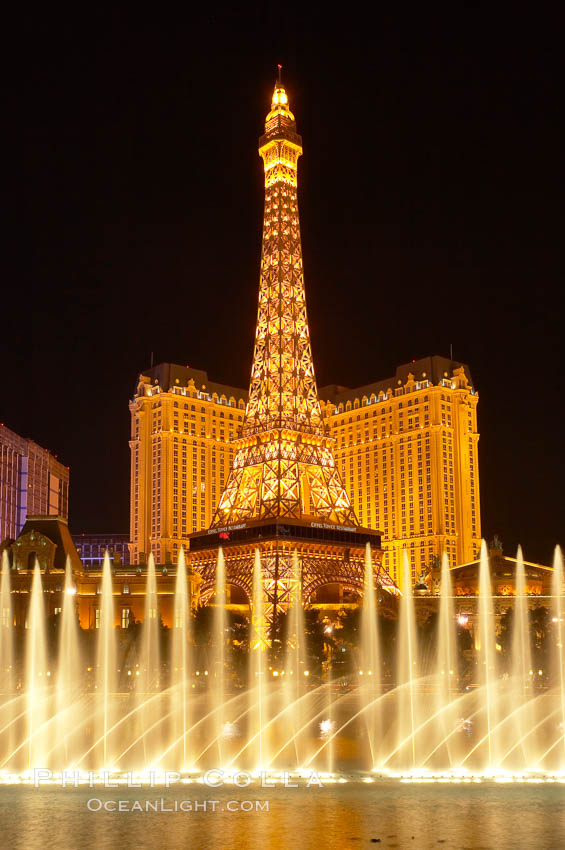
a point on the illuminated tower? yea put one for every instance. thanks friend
(284, 492)
(284, 463)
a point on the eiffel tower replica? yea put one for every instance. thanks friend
(284, 493)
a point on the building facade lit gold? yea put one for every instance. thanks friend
(182, 428)
(407, 449)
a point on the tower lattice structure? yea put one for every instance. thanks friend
(284, 463)
(284, 495)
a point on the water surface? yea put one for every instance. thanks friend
(385, 814)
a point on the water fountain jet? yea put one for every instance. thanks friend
(106, 663)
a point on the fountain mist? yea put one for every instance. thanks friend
(181, 664)
(257, 667)
(106, 672)
(150, 667)
(69, 668)
(446, 643)
(447, 663)
(37, 679)
(406, 667)
(283, 721)
(295, 658)
(370, 659)
(487, 653)
(7, 710)
(219, 651)
(521, 662)
(6, 630)
(558, 616)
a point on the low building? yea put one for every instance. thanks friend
(466, 588)
(93, 547)
(46, 540)
(502, 569)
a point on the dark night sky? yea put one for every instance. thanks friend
(429, 206)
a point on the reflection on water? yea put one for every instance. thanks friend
(353, 815)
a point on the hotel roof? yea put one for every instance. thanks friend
(170, 375)
(55, 529)
(433, 369)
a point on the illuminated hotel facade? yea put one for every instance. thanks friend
(182, 426)
(406, 448)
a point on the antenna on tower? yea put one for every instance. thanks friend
(451, 351)
(280, 69)
(151, 359)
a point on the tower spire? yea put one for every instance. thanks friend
(284, 463)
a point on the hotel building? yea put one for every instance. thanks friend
(182, 426)
(32, 481)
(406, 448)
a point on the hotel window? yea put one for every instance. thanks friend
(97, 618)
(125, 588)
(125, 618)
